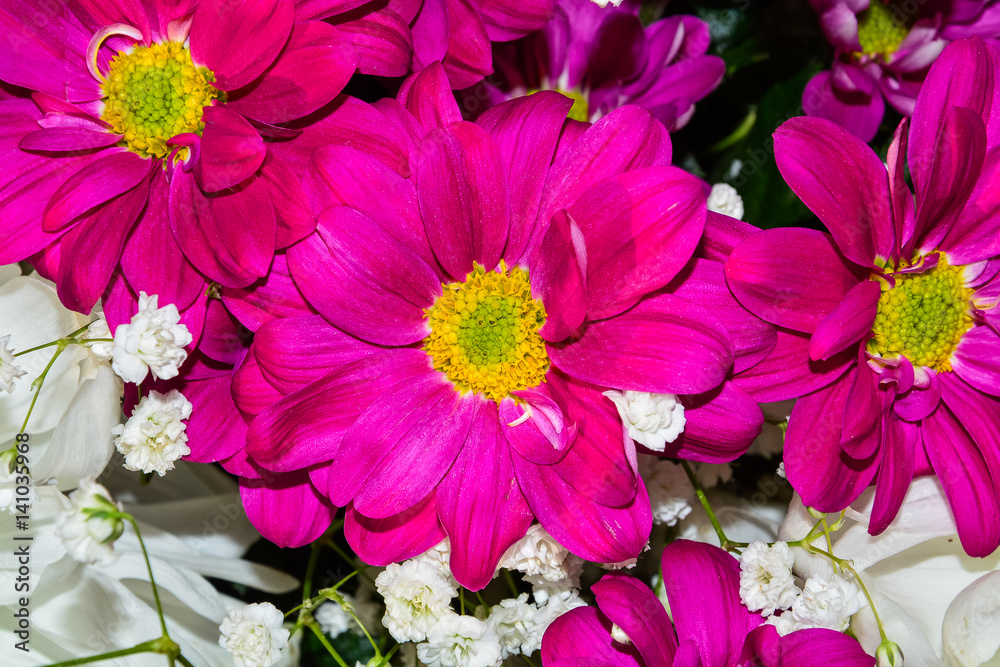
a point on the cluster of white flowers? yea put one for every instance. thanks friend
(153, 438)
(417, 596)
(547, 565)
(153, 341)
(460, 641)
(102, 349)
(515, 624)
(254, 635)
(9, 371)
(726, 200)
(827, 602)
(766, 579)
(670, 490)
(652, 420)
(332, 618)
(87, 526)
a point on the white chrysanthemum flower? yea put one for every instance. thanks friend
(154, 340)
(726, 200)
(670, 490)
(513, 620)
(546, 564)
(460, 641)
(417, 596)
(9, 371)
(652, 420)
(253, 635)
(86, 534)
(103, 350)
(766, 580)
(823, 603)
(153, 437)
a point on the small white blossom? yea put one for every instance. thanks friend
(332, 618)
(253, 635)
(711, 475)
(822, 604)
(724, 199)
(555, 606)
(619, 635)
(440, 557)
(513, 620)
(153, 341)
(546, 564)
(460, 641)
(766, 580)
(99, 329)
(670, 490)
(417, 596)
(652, 420)
(781, 470)
(84, 527)
(605, 3)
(9, 371)
(153, 437)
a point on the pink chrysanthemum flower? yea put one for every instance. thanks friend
(478, 286)
(890, 329)
(710, 626)
(883, 49)
(604, 58)
(151, 140)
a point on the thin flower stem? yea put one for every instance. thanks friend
(482, 601)
(510, 582)
(725, 542)
(149, 569)
(326, 644)
(461, 601)
(528, 660)
(311, 569)
(145, 647)
(184, 661)
(65, 340)
(736, 135)
(846, 565)
(38, 382)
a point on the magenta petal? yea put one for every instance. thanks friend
(559, 278)
(816, 465)
(396, 538)
(791, 277)
(231, 150)
(967, 482)
(592, 531)
(858, 112)
(817, 647)
(63, 139)
(973, 236)
(788, 372)
(311, 71)
(216, 430)
(895, 472)
(977, 359)
(469, 57)
(368, 129)
(848, 323)
(480, 503)
(364, 280)
(382, 41)
(582, 638)
(536, 426)
(273, 297)
(291, 203)
(841, 180)
(662, 345)
(505, 22)
(526, 130)
(239, 41)
(722, 234)
(639, 613)
(463, 197)
(919, 402)
(114, 172)
(421, 419)
(702, 583)
(428, 97)
(627, 138)
(251, 392)
(720, 426)
(863, 416)
(152, 261)
(641, 228)
(228, 236)
(271, 508)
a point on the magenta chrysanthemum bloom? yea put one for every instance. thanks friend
(710, 625)
(883, 49)
(151, 141)
(604, 58)
(478, 286)
(890, 321)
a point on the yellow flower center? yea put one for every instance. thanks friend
(923, 317)
(484, 333)
(155, 93)
(881, 28)
(579, 111)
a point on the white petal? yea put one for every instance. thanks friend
(971, 630)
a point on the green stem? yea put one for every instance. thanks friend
(184, 661)
(461, 601)
(736, 135)
(846, 565)
(145, 647)
(358, 565)
(724, 542)
(311, 569)
(64, 341)
(149, 569)
(510, 582)
(39, 381)
(326, 644)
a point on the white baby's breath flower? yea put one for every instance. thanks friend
(153, 341)
(460, 641)
(332, 618)
(780, 472)
(253, 635)
(670, 490)
(86, 528)
(546, 564)
(619, 635)
(9, 371)
(652, 420)
(514, 622)
(824, 603)
(766, 580)
(417, 596)
(440, 557)
(153, 437)
(605, 3)
(726, 200)
(554, 607)
(102, 350)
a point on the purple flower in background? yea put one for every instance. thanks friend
(604, 58)
(883, 50)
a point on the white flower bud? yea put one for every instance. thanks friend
(89, 526)
(254, 635)
(652, 420)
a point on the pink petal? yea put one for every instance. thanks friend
(114, 172)
(251, 392)
(468, 58)
(288, 511)
(382, 41)
(536, 426)
(428, 97)
(640, 614)
(791, 277)
(505, 22)
(559, 278)
(231, 150)
(863, 420)
(216, 430)
(272, 297)
(788, 372)
(859, 113)
(720, 426)
(239, 41)
(977, 359)
(973, 237)
(480, 503)
(851, 321)
(291, 204)
(662, 345)
(816, 647)
(65, 139)
(919, 402)
(582, 638)
(895, 472)
(396, 538)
